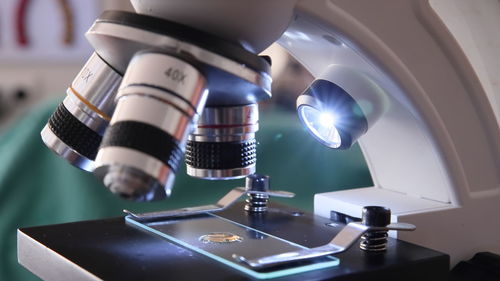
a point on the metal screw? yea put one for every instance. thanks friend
(375, 241)
(257, 201)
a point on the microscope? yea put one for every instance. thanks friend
(414, 82)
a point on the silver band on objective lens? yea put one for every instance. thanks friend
(226, 174)
(162, 96)
(223, 133)
(90, 101)
(91, 96)
(64, 151)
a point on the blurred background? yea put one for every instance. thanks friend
(42, 48)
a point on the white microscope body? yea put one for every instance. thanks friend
(434, 153)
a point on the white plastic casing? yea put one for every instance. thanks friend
(255, 24)
(370, 97)
(434, 154)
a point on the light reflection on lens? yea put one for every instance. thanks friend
(321, 125)
(326, 119)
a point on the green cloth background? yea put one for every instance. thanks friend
(38, 188)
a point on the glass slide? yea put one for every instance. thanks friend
(219, 238)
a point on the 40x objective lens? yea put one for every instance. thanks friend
(158, 104)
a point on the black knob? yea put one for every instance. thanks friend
(257, 182)
(376, 216)
(20, 94)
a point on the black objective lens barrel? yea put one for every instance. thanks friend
(75, 129)
(223, 145)
(158, 104)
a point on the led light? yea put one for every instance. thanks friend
(326, 119)
(331, 114)
(321, 125)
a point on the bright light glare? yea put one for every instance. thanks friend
(326, 119)
(321, 125)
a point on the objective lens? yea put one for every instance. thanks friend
(75, 129)
(223, 145)
(158, 105)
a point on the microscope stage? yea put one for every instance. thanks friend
(112, 249)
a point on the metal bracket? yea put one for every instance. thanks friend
(226, 201)
(341, 242)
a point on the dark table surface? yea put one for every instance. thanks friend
(110, 249)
